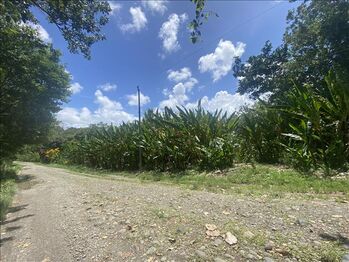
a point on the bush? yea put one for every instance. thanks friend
(170, 140)
(28, 154)
(308, 130)
(8, 174)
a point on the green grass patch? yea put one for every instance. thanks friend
(8, 175)
(244, 179)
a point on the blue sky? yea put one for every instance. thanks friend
(148, 45)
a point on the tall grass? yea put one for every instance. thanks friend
(8, 173)
(319, 125)
(308, 129)
(170, 140)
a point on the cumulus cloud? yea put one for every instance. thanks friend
(219, 62)
(178, 95)
(156, 6)
(181, 75)
(108, 111)
(169, 30)
(225, 101)
(107, 87)
(115, 7)
(75, 88)
(72, 117)
(184, 83)
(105, 102)
(133, 99)
(139, 21)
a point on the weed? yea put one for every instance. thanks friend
(8, 174)
(243, 179)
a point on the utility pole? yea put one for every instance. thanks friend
(139, 130)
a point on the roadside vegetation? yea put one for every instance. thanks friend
(8, 175)
(33, 81)
(261, 179)
(308, 132)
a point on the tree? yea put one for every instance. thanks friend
(264, 72)
(33, 82)
(79, 21)
(309, 78)
(316, 41)
(33, 85)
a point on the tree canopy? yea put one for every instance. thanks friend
(316, 41)
(33, 85)
(33, 81)
(79, 21)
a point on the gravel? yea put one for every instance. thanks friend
(59, 215)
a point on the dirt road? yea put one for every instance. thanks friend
(58, 215)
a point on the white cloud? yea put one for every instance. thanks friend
(107, 87)
(75, 88)
(156, 6)
(224, 100)
(169, 30)
(115, 7)
(179, 94)
(108, 111)
(139, 21)
(181, 75)
(173, 101)
(41, 31)
(106, 103)
(219, 62)
(133, 99)
(72, 117)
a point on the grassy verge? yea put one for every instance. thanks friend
(8, 174)
(245, 179)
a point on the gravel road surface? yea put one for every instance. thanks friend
(59, 215)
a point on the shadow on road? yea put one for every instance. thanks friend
(15, 219)
(26, 181)
(16, 208)
(9, 229)
(5, 239)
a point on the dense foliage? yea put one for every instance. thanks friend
(310, 105)
(33, 85)
(169, 141)
(320, 124)
(315, 41)
(308, 131)
(33, 82)
(79, 21)
(8, 176)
